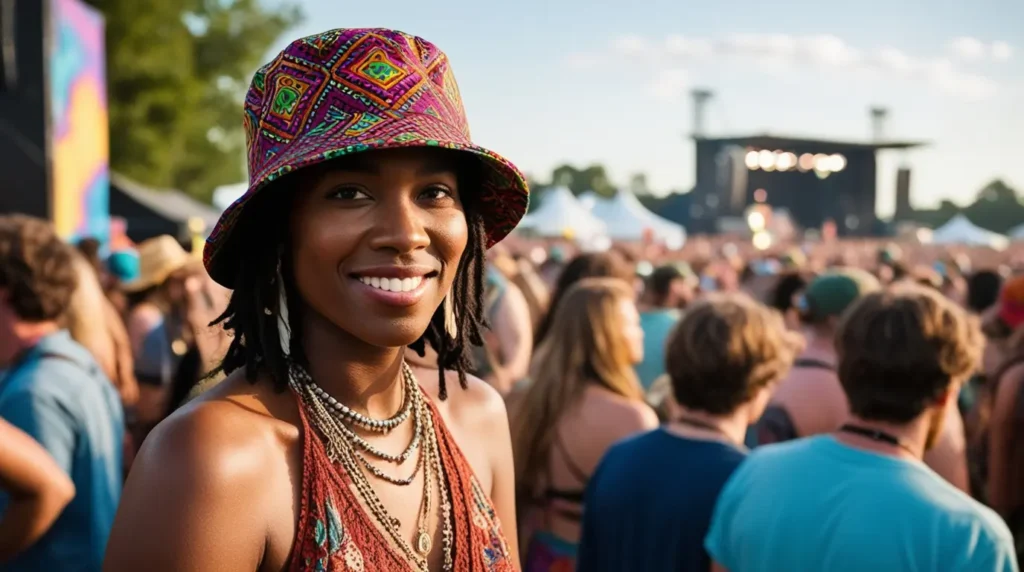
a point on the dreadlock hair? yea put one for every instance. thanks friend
(251, 313)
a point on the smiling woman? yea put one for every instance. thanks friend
(363, 232)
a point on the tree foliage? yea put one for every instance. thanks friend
(592, 178)
(177, 71)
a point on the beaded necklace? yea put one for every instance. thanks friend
(346, 448)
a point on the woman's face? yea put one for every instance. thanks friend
(376, 242)
(632, 333)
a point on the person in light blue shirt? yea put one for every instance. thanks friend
(55, 392)
(861, 499)
(666, 291)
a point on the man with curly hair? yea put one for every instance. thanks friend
(54, 390)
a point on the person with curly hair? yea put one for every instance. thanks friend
(55, 391)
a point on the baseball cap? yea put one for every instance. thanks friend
(831, 293)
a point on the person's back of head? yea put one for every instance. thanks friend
(37, 280)
(830, 294)
(670, 286)
(728, 352)
(903, 351)
(983, 290)
(610, 264)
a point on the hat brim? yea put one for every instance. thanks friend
(504, 193)
(176, 264)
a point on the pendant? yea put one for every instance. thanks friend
(423, 543)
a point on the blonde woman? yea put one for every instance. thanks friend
(584, 397)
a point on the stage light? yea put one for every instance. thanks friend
(762, 240)
(752, 160)
(806, 162)
(766, 159)
(784, 161)
(837, 163)
(760, 195)
(756, 221)
(821, 162)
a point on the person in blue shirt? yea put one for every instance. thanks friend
(649, 503)
(666, 292)
(861, 498)
(55, 392)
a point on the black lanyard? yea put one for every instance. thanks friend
(876, 435)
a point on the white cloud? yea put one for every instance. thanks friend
(632, 45)
(670, 84)
(967, 48)
(970, 49)
(772, 53)
(1001, 51)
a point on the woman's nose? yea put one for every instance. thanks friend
(399, 226)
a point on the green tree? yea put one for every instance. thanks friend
(996, 208)
(638, 184)
(177, 71)
(592, 178)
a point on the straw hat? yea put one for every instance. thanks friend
(158, 258)
(350, 91)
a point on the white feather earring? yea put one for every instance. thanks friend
(284, 332)
(449, 318)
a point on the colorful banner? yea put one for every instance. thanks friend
(80, 173)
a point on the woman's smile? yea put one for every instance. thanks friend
(395, 285)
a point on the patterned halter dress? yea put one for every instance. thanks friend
(335, 533)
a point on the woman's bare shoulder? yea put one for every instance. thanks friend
(616, 412)
(477, 406)
(219, 456)
(234, 420)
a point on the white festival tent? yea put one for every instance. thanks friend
(560, 214)
(626, 218)
(960, 230)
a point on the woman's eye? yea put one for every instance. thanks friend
(437, 192)
(348, 194)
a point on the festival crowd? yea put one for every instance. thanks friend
(361, 375)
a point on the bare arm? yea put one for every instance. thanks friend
(193, 501)
(1001, 439)
(38, 489)
(515, 335)
(503, 486)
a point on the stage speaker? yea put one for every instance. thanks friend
(54, 141)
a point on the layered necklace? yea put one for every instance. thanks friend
(336, 423)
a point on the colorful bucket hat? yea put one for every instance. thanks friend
(354, 90)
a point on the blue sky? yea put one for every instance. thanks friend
(578, 81)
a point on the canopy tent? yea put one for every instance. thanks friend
(627, 219)
(224, 195)
(960, 230)
(561, 215)
(149, 213)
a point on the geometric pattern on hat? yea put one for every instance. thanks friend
(348, 91)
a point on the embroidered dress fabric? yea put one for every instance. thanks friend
(335, 534)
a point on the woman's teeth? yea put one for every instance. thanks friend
(392, 284)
